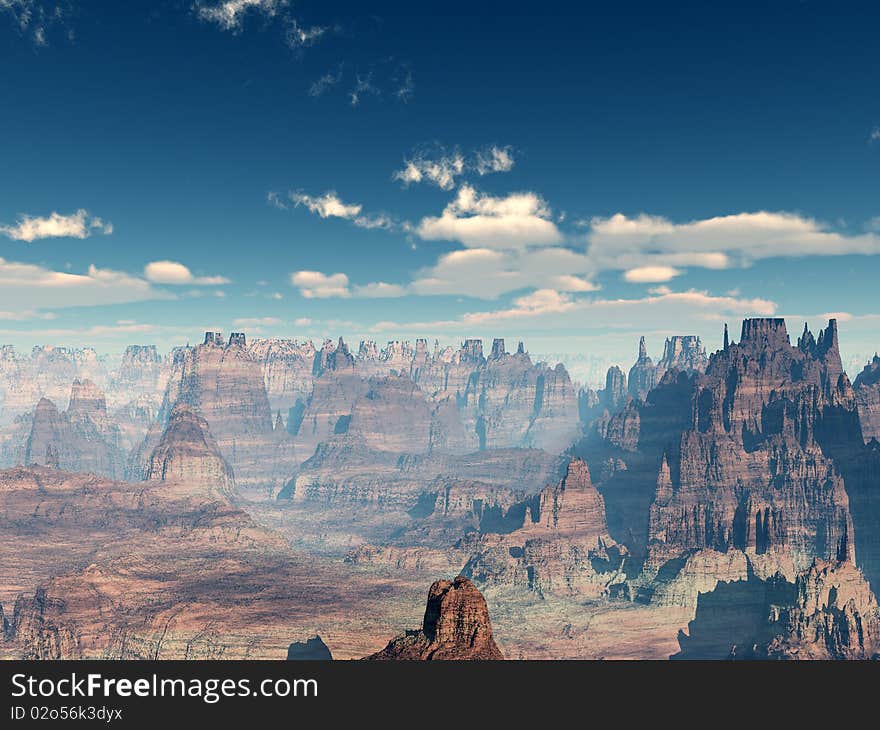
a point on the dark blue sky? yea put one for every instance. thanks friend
(173, 122)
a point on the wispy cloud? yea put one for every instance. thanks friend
(443, 168)
(28, 286)
(330, 205)
(230, 14)
(76, 225)
(326, 82)
(875, 135)
(175, 273)
(363, 85)
(36, 18)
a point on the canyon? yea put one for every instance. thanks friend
(237, 497)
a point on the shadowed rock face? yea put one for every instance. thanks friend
(312, 649)
(189, 453)
(828, 612)
(867, 390)
(224, 385)
(758, 465)
(78, 439)
(562, 547)
(456, 627)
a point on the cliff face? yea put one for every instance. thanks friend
(224, 385)
(759, 455)
(456, 627)
(78, 439)
(189, 453)
(867, 391)
(749, 471)
(46, 372)
(562, 547)
(827, 611)
(834, 616)
(395, 415)
(643, 373)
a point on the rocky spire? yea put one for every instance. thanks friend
(643, 349)
(456, 626)
(726, 338)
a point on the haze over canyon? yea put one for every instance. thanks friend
(267, 498)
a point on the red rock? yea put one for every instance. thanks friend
(456, 627)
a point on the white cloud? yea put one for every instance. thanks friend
(442, 168)
(875, 135)
(28, 286)
(487, 273)
(302, 322)
(484, 221)
(494, 159)
(300, 37)
(316, 285)
(173, 272)
(329, 205)
(442, 171)
(721, 242)
(548, 311)
(651, 274)
(230, 14)
(76, 225)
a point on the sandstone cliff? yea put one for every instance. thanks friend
(189, 453)
(562, 547)
(456, 627)
(82, 438)
(867, 390)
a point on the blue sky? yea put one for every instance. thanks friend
(309, 170)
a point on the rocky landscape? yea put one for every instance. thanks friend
(236, 498)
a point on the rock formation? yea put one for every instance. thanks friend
(642, 375)
(224, 384)
(759, 455)
(78, 439)
(456, 627)
(828, 611)
(312, 649)
(563, 546)
(188, 453)
(867, 390)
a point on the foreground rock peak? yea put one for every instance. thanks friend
(456, 627)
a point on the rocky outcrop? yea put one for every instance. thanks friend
(81, 438)
(456, 627)
(189, 453)
(287, 370)
(563, 546)
(867, 391)
(827, 611)
(46, 372)
(748, 466)
(683, 352)
(834, 615)
(312, 649)
(643, 373)
(224, 384)
(396, 415)
(344, 470)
